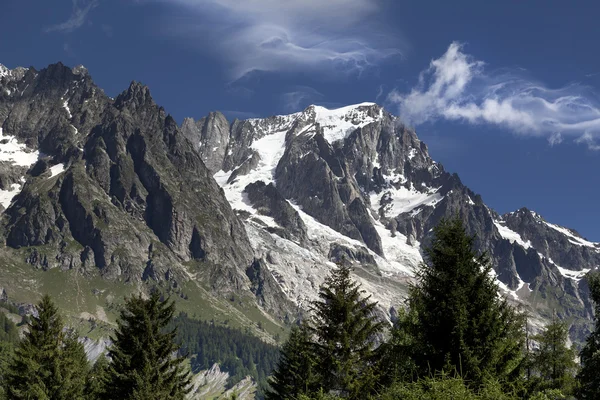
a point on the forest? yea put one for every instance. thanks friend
(456, 337)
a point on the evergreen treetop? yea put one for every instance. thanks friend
(49, 363)
(294, 374)
(345, 330)
(588, 377)
(144, 361)
(461, 323)
(552, 361)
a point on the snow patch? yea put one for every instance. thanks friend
(574, 239)
(16, 153)
(6, 196)
(337, 124)
(567, 273)
(57, 169)
(270, 149)
(66, 107)
(511, 235)
(401, 200)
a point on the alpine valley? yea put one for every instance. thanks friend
(240, 220)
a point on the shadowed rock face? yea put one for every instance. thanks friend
(135, 199)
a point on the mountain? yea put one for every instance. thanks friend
(240, 220)
(355, 183)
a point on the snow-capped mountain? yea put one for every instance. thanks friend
(355, 183)
(242, 218)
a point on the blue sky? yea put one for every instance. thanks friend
(505, 93)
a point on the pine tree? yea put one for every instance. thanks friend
(6, 354)
(552, 360)
(294, 374)
(461, 323)
(345, 330)
(49, 363)
(144, 362)
(96, 379)
(588, 377)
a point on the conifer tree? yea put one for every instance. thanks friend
(461, 322)
(294, 374)
(96, 379)
(554, 362)
(144, 364)
(345, 329)
(588, 377)
(49, 363)
(6, 354)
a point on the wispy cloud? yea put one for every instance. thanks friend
(293, 35)
(79, 14)
(300, 98)
(457, 87)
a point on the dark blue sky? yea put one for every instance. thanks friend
(505, 93)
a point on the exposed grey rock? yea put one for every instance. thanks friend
(268, 201)
(136, 200)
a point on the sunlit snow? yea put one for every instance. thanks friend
(401, 200)
(66, 107)
(337, 124)
(511, 235)
(16, 153)
(576, 240)
(567, 273)
(6, 196)
(57, 169)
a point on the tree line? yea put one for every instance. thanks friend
(50, 363)
(456, 338)
(236, 352)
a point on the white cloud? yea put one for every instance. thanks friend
(291, 36)
(79, 14)
(456, 87)
(589, 140)
(555, 139)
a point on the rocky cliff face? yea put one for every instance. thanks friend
(365, 190)
(111, 185)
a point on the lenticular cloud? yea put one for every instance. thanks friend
(457, 87)
(330, 36)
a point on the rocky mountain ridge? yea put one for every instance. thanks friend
(259, 209)
(357, 184)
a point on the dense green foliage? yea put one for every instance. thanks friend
(443, 387)
(237, 353)
(8, 330)
(588, 377)
(295, 372)
(461, 323)
(48, 363)
(345, 328)
(458, 338)
(553, 363)
(337, 345)
(143, 366)
(9, 336)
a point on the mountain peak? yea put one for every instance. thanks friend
(80, 70)
(137, 94)
(338, 123)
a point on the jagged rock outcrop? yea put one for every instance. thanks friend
(132, 197)
(358, 177)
